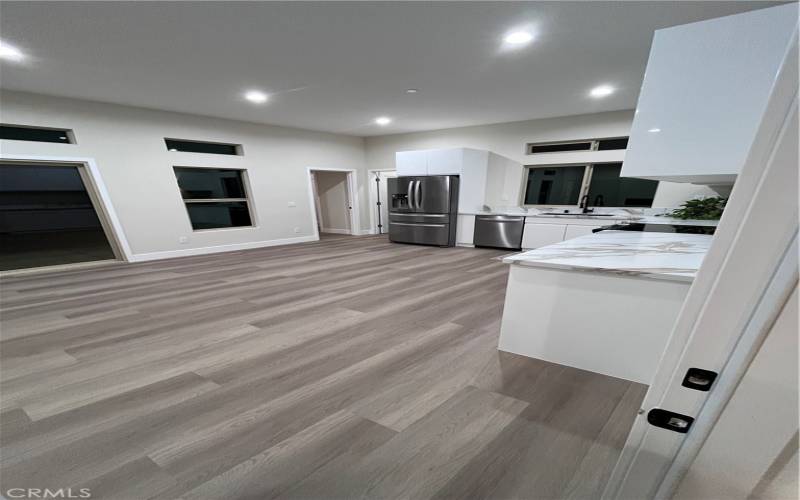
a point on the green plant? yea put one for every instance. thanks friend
(703, 209)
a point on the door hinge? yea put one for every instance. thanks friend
(699, 379)
(669, 420)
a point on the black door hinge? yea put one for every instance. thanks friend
(699, 379)
(670, 420)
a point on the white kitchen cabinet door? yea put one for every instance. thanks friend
(704, 93)
(575, 231)
(539, 235)
(411, 163)
(445, 161)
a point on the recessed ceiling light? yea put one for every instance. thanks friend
(383, 120)
(256, 96)
(10, 53)
(518, 38)
(654, 130)
(602, 91)
(412, 91)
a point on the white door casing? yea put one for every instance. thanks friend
(351, 189)
(376, 190)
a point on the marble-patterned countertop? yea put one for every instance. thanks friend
(669, 256)
(611, 219)
(518, 213)
(652, 219)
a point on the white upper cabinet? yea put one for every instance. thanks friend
(704, 93)
(432, 161)
(445, 161)
(412, 162)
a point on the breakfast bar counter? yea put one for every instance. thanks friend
(604, 302)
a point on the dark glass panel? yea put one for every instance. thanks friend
(609, 144)
(208, 183)
(555, 148)
(554, 186)
(218, 214)
(201, 147)
(608, 189)
(34, 134)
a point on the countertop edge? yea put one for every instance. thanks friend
(601, 270)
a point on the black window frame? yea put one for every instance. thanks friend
(576, 146)
(583, 190)
(192, 201)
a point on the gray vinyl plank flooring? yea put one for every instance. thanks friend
(345, 368)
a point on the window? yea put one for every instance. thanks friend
(566, 185)
(611, 144)
(607, 188)
(554, 185)
(558, 147)
(214, 197)
(217, 148)
(607, 144)
(36, 134)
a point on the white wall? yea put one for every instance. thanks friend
(332, 190)
(509, 139)
(128, 146)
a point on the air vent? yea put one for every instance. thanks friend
(36, 134)
(558, 147)
(217, 148)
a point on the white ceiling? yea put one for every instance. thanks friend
(335, 66)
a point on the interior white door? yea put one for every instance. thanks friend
(317, 202)
(731, 306)
(739, 460)
(348, 205)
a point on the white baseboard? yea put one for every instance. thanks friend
(169, 254)
(335, 231)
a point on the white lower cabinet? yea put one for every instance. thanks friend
(465, 230)
(539, 235)
(575, 231)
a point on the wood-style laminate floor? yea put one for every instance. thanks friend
(345, 368)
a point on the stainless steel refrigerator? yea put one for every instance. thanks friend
(423, 209)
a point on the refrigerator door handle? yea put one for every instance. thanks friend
(411, 194)
(418, 195)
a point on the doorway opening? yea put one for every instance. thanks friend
(49, 216)
(332, 193)
(378, 194)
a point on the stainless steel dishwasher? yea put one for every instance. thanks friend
(499, 231)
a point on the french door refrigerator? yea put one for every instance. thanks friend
(423, 209)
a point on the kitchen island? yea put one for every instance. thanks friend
(604, 302)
